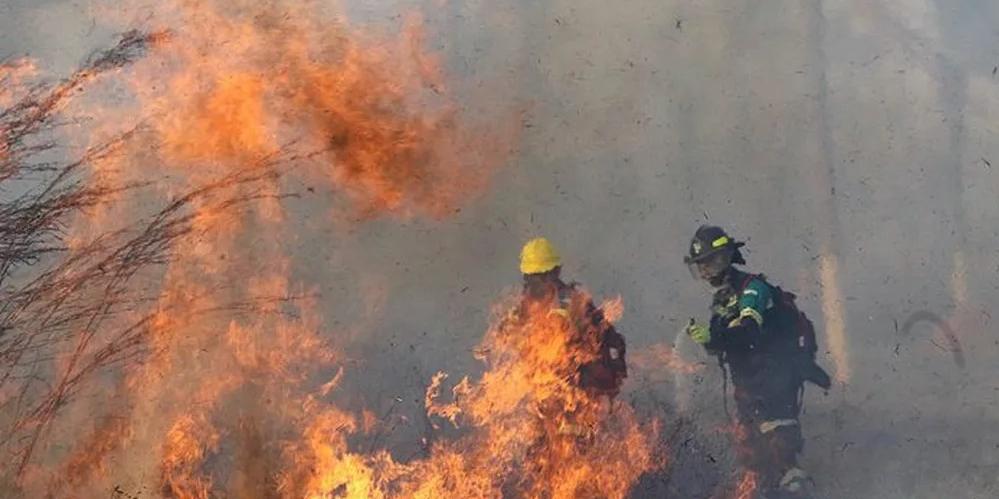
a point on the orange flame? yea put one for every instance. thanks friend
(370, 117)
(14, 77)
(613, 309)
(531, 425)
(747, 486)
(240, 404)
(184, 448)
(531, 433)
(231, 404)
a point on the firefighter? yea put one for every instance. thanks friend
(541, 267)
(752, 331)
(605, 370)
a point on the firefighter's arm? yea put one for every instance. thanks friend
(742, 334)
(700, 333)
(746, 330)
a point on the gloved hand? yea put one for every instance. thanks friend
(698, 332)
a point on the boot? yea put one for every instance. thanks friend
(795, 484)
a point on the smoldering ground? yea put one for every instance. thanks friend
(851, 144)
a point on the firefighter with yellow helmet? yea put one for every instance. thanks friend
(541, 267)
(574, 356)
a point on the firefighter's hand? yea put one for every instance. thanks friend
(698, 332)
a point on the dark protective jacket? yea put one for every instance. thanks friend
(593, 333)
(747, 334)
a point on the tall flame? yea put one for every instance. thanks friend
(533, 429)
(232, 389)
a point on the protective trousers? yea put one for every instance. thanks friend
(769, 435)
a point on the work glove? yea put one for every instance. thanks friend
(698, 332)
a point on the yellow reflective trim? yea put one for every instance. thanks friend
(560, 312)
(752, 313)
(773, 424)
(718, 243)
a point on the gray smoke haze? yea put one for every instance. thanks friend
(866, 126)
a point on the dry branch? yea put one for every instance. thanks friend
(67, 314)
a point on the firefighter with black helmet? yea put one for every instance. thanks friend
(765, 343)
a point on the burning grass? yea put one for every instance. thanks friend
(152, 337)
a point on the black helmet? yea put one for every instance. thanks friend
(709, 240)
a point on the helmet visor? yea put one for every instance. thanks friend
(711, 266)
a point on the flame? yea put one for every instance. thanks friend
(532, 427)
(15, 75)
(531, 431)
(747, 486)
(249, 78)
(748, 482)
(237, 96)
(613, 309)
(186, 443)
(234, 393)
(226, 123)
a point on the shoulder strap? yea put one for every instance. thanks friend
(746, 280)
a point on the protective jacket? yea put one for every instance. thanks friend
(590, 332)
(746, 332)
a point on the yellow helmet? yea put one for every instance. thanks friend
(538, 256)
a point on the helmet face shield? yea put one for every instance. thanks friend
(712, 252)
(711, 267)
(692, 267)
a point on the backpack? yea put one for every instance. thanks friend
(795, 335)
(605, 373)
